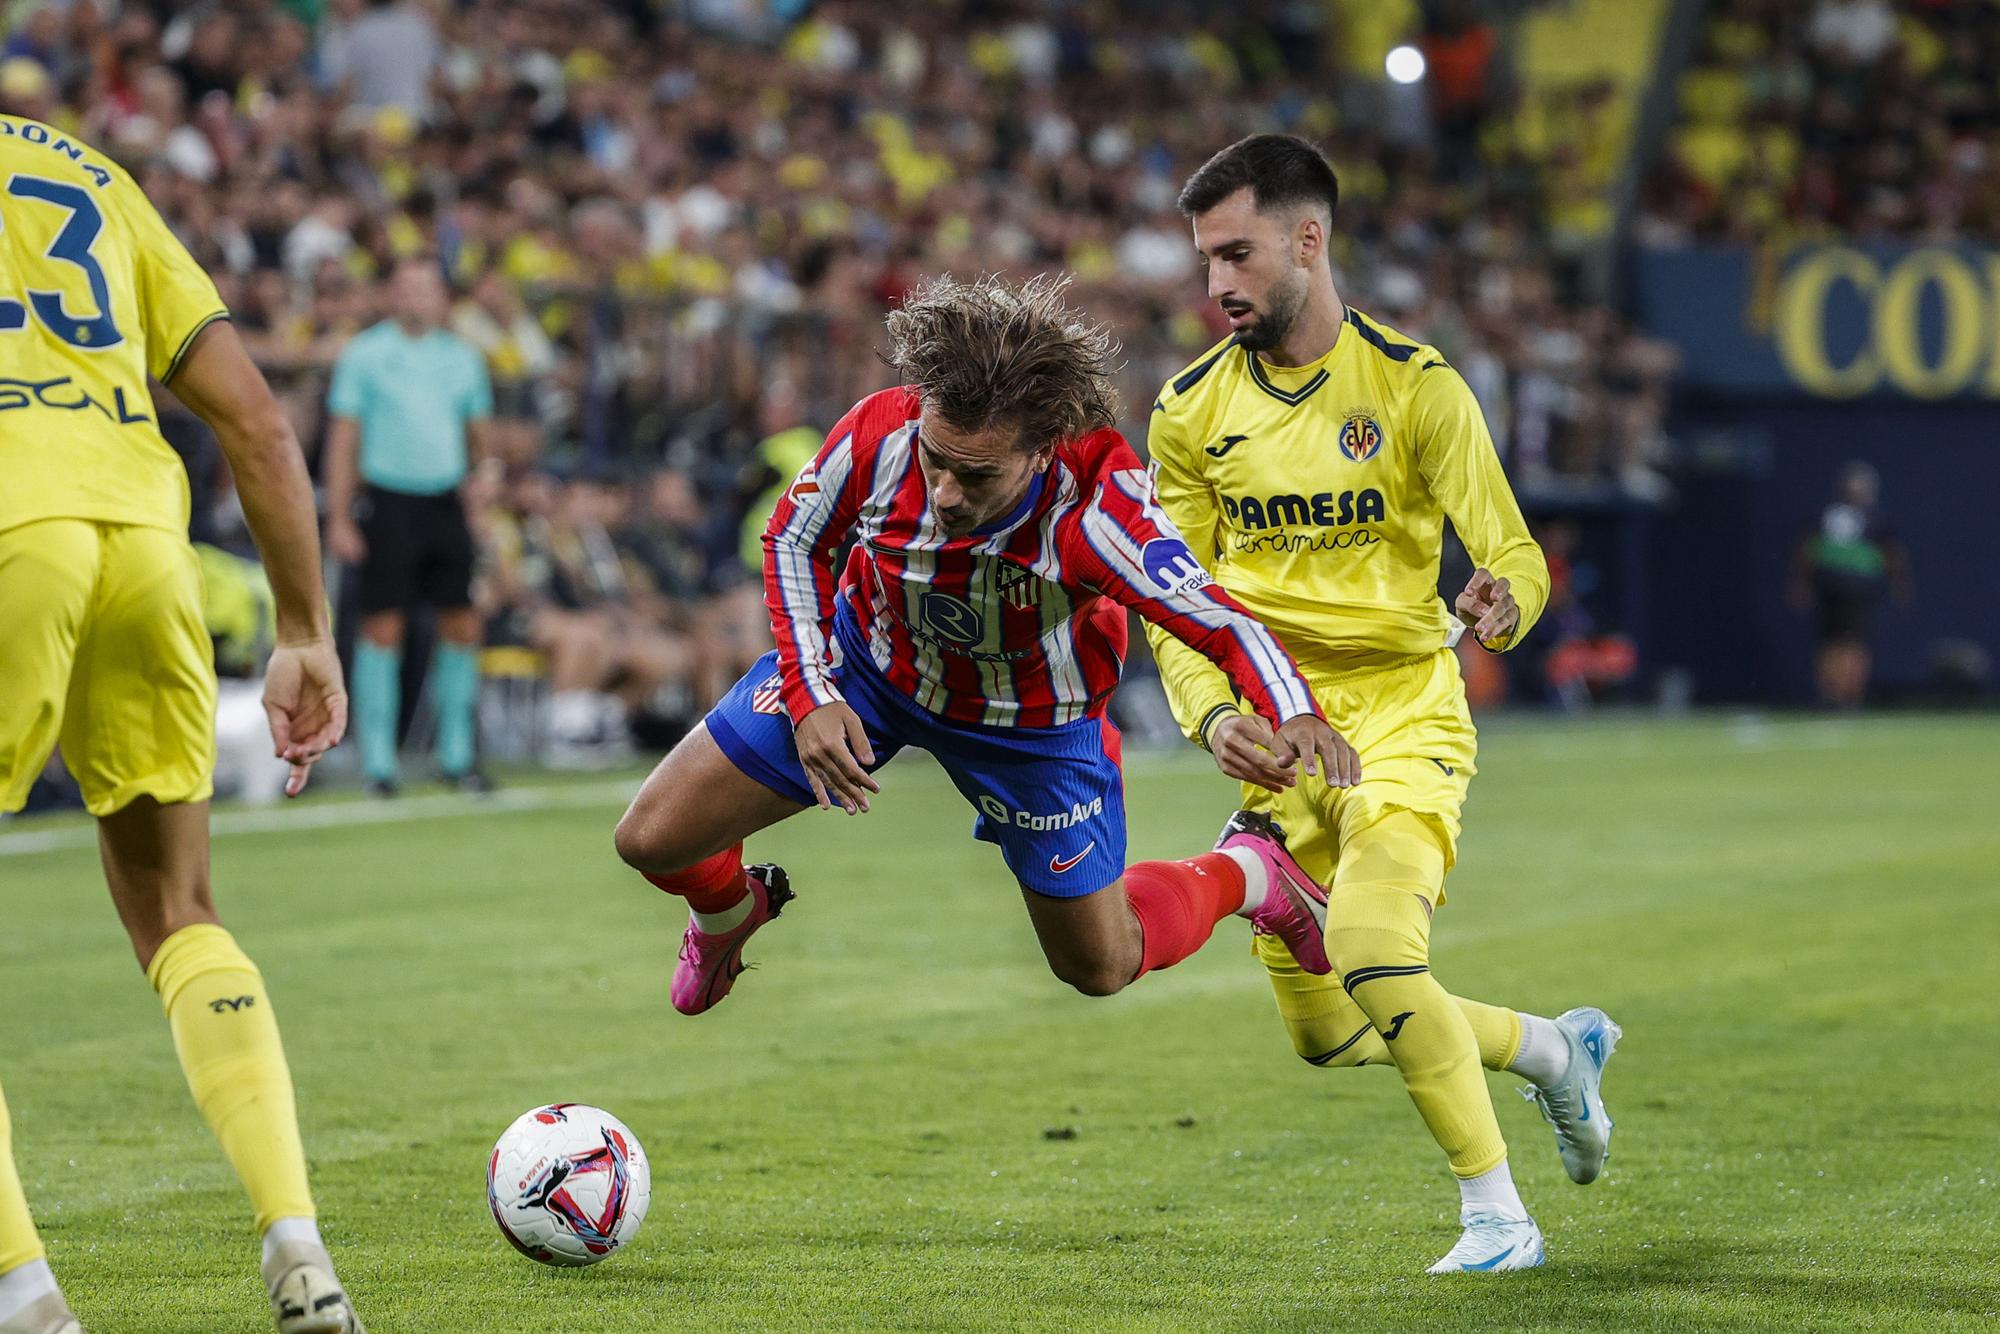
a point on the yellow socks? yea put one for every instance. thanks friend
(1329, 1030)
(1496, 1029)
(19, 1242)
(1378, 936)
(228, 1043)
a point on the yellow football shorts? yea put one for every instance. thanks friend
(1411, 727)
(103, 649)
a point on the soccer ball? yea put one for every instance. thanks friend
(568, 1184)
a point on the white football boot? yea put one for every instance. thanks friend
(1574, 1104)
(1491, 1244)
(44, 1315)
(306, 1298)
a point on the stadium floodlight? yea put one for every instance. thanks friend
(1404, 64)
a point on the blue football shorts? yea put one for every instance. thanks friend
(1052, 798)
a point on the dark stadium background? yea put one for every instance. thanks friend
(1695, 258)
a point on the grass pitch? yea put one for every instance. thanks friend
(901, 1121)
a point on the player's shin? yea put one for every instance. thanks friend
(227, 1039)
(1179, 903)
(1378, 937)
(1329, 1030)
(455, 686)
(378, 688)
(717, 894)
(19, 1243)
(1381, 963)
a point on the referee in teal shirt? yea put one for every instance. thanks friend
(410, 406)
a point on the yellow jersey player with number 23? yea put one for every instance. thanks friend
(104, 651)
(98, 295)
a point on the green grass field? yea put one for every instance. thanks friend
(1795, 922)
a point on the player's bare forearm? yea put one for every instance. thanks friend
(218, 381)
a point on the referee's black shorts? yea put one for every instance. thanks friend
(419, 550)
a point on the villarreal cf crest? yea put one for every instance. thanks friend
(1360, 438)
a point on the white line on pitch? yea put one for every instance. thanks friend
(404, 810)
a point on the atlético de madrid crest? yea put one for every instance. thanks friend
(1019, 588)
(1360, 437)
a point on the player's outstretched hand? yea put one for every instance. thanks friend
(306, 702)
(1314, 741)
(1488, 607)
(1245, 748)
(833, 747)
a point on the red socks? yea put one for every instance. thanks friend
(713, 884)
(1179, 903)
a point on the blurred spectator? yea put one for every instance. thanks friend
(1459, 52)
(1855, 116)
(651, 657)
(383, 56)
(26, 88)
(788, 445)
(517, 569)
(620, 658)
(410, 404)
(1582, 663)
(688, 208)
(520, 359)
(676, 228)
(1839, 573)
(1858, 30)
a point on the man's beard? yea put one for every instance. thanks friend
(1272, 325)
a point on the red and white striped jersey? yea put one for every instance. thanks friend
(1018, 624)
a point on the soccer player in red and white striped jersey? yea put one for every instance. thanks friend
(1001, 528)
(1012, 622)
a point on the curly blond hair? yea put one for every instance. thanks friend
(992, 353)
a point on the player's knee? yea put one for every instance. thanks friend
(1377, 926)
(646, 840)
(384, 629)
(1362, 949)
(460, 627)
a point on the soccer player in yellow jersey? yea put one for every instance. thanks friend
(1311, 459)
(106, 653)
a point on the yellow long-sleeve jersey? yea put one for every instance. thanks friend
(96, 294)
(1318, 494)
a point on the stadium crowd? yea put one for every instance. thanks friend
(673, 228)
(1854, 117)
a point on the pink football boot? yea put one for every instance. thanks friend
(1294, 907)
(710, 965)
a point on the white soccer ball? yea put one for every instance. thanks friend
(568, 1184)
